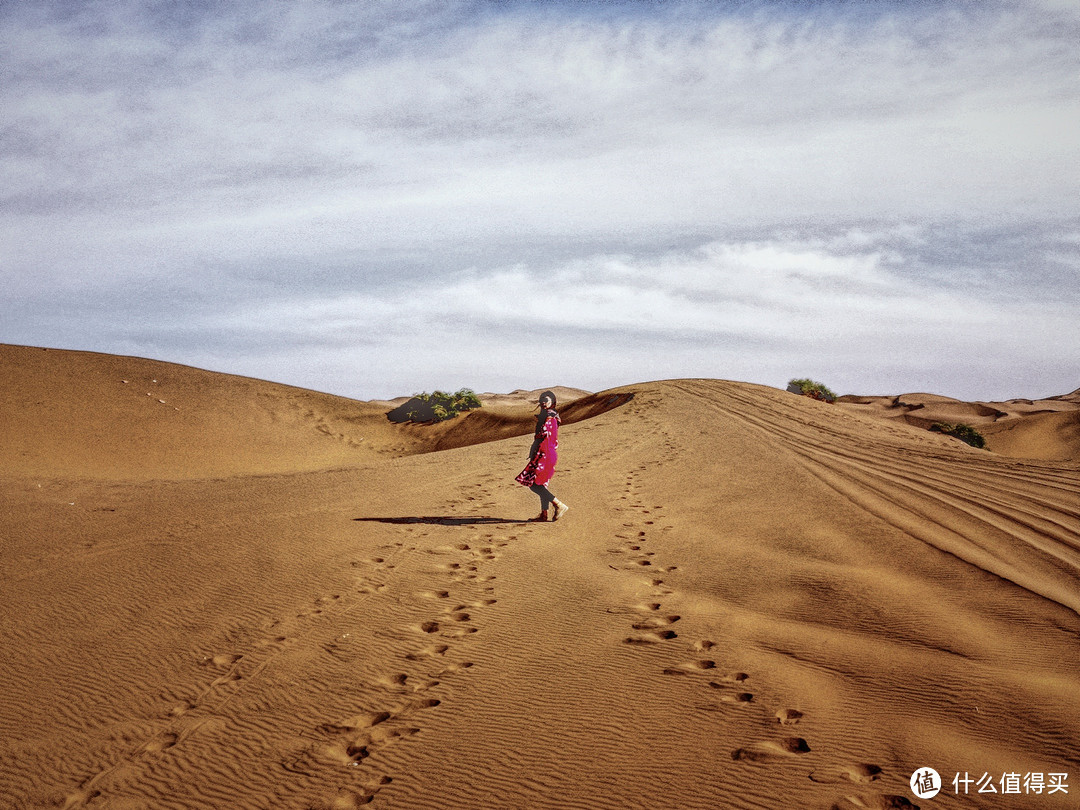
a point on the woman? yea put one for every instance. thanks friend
(542, 458)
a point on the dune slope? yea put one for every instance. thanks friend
(756, 601)
(110, 417)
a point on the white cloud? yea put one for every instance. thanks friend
(753, 311)
(697, 172)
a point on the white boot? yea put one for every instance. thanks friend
(560, 509)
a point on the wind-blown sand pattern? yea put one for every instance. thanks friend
(219, 592)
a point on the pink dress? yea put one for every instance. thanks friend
(542, 464)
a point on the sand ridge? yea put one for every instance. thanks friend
(757, 600)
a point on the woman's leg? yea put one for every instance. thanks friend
(545, 496)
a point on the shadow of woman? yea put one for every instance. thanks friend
(441, 520)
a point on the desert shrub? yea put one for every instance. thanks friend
(965, 433)
(812, 389)
(439, 405)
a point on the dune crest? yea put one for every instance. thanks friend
(757, 600)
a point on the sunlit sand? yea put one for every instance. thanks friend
(222, 592)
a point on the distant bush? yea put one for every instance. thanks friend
(965, 433)
(439, 405)
(809, 388)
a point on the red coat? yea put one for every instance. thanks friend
(541, 465)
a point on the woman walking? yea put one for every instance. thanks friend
(542, 458)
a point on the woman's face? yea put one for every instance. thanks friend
(545, 402)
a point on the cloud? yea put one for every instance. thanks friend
(188, 175)
(849, 305)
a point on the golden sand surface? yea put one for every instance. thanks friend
(220, 592)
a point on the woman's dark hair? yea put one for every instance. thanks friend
(550, 394)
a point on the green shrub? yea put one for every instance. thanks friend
(965, 433)
(812, 389)
(439, 405)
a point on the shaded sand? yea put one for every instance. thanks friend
(756, 601)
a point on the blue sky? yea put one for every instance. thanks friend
(378, 198)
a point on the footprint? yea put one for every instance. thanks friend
(738, 697)
(370, 720)
(357, 723)
(462, 632)
(430, 627)
(651, 638)
(772, 751)
(81, 797)
(383, 734)
(453, 669)
(428, 652)
(733, 678)
(396, 680)
(346, 801)
(230, 677)
(788, 717)
(182, 708)
(162, 743)
(876, 802)
(221, 660)
(695, 666)
(652, 624)
(861, 774)
(341, 753)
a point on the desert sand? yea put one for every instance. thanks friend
(226, 593)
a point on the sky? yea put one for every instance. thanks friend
(383, 197)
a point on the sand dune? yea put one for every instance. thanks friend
(273, 598)
(1052, 436)
(1047, 429)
